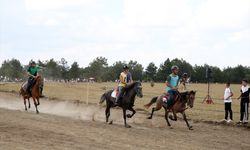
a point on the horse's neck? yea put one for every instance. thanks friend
(130, 95)
(36, 86)
(183, 98)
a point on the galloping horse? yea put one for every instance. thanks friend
(132, 90)
(36, 92)
(181, 99)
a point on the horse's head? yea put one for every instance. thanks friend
(39, 80)
(138, 89)
(191, 98)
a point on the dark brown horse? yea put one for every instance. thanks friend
(181, 100)
(36, 92)
(127, 102)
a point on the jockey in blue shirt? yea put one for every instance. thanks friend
(172, 85)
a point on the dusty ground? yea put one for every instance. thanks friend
(65, 125)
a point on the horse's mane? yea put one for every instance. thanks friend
(132, 85)
(187, 92)
(183, 94)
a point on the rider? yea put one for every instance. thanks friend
(182, 83)
(122, 84)
(172, 84)
(129, 78)
(33, 74)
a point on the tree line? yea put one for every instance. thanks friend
(101, 71)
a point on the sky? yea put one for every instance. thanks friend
(213, 32)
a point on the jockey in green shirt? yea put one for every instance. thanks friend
(32, 71)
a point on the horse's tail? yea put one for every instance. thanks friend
(103, 98)
(153, 100)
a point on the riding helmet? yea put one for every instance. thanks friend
(125, 67)
(174, 67)
(185, 75)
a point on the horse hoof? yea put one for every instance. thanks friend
(149, 118)
(190, 128)
(37, 112)
(127, 126)
(111, 122)
(129, 116)
(172, 118)
(170, 127)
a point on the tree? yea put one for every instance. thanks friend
(114, 71)
(199, 74)
(74, 71)
(12, 69)
(184, 67)
(136, 70)
(64, 68)
(53, 70)
(97, 68)
(164, 70)
(151, 70)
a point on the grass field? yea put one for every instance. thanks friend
(78, 91)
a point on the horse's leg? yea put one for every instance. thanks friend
(166, 117)
(107, 113)
(185, 118)
(38, 101)
(24, 101)
(125, 117)
(152, 112)
(29, 102)
(158, 107)
(131, 115)
(35, 105)
(175, 116)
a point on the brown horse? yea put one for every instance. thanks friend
(181, 99)
(36, 90)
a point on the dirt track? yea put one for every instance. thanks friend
(82, 127)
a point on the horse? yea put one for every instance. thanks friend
(127, 102)
(179, 106)
(35, 93)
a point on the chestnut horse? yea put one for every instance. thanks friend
(36, 92)
(181, 99)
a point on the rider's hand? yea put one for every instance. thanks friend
(174, 88)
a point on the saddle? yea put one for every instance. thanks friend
(170, 99)
(25, 86)
(166, 98)
(114, 94)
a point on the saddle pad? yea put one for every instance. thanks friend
(114, 94)
(25, 85)
(167, 100)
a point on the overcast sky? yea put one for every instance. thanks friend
(216, 32)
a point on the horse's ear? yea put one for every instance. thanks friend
(193, 91)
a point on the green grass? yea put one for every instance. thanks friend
(78, 91)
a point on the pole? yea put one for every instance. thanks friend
(208, 98)
(87, 94)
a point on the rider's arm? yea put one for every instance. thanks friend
(168, 82)
(240, 95)
(40, 67)
(29, 74)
